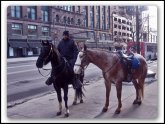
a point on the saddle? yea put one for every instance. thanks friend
(130, 63)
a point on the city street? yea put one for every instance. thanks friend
(24, 81)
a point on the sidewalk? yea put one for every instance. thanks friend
(45, 107)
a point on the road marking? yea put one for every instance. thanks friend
(21, 71)
(20, 66)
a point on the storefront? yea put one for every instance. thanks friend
(17, 48)
(23, 48)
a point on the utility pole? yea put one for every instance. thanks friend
(137, 30)
(148, 27)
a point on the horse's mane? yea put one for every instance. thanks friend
(57, 52)
(103, 51)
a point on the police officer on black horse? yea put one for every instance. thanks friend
(69, 51)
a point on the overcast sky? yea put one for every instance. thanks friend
(153, 16)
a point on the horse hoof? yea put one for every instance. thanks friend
(117, 111)
(58, 113)
(137, 102)
(67, 115)
(104, 109)
(74, 103)
(81, 101)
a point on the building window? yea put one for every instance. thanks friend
(123, 34)
(32, 12)
(119, 20)
(85, 16)
(78, 22)
(57, 19)
(103, 19)
(73, 9)
(92, 16)
(32, 30)
(64, 20)
(16, 11)
(115, 33)
(45, 31)
(98, 16)
(44, 13)
(123, 27)
(92, 35)
(72, 21)
(16, 28)
(119, 27)
(115, 19)
(115, 26)
(108, 25)
(68, 20)
(68, 8)
(100, 36)
(127, 22)
(78, 9)
(123, 21)
(103, 37)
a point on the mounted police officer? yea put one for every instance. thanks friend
(69, 51)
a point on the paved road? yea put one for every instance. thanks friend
(24, 80)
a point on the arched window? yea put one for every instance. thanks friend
(68, 20)
(57, 18)
(72, 21)
(64, 20)
(78, 22)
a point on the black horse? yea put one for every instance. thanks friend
(63, 75)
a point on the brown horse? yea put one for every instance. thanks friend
(113, 72)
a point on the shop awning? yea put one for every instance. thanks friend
(18, 44)
(34, 44)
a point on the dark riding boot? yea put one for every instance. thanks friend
(129, 77)
(49, 81)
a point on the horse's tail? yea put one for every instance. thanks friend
(142, 80)
(79, 93)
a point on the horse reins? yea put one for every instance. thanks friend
(44, 60)
(112, 66)
(80, 64)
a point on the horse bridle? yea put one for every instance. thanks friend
(80, 65)
(44, 60)
(49, 53)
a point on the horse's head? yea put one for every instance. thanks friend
(82, 59)
(45, 54)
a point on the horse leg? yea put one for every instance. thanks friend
(108, 88)
(82, 80)
(137, 88)
(81, 76)
(75, 98)
(59, 100)
(119, 90)
(66, 100)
